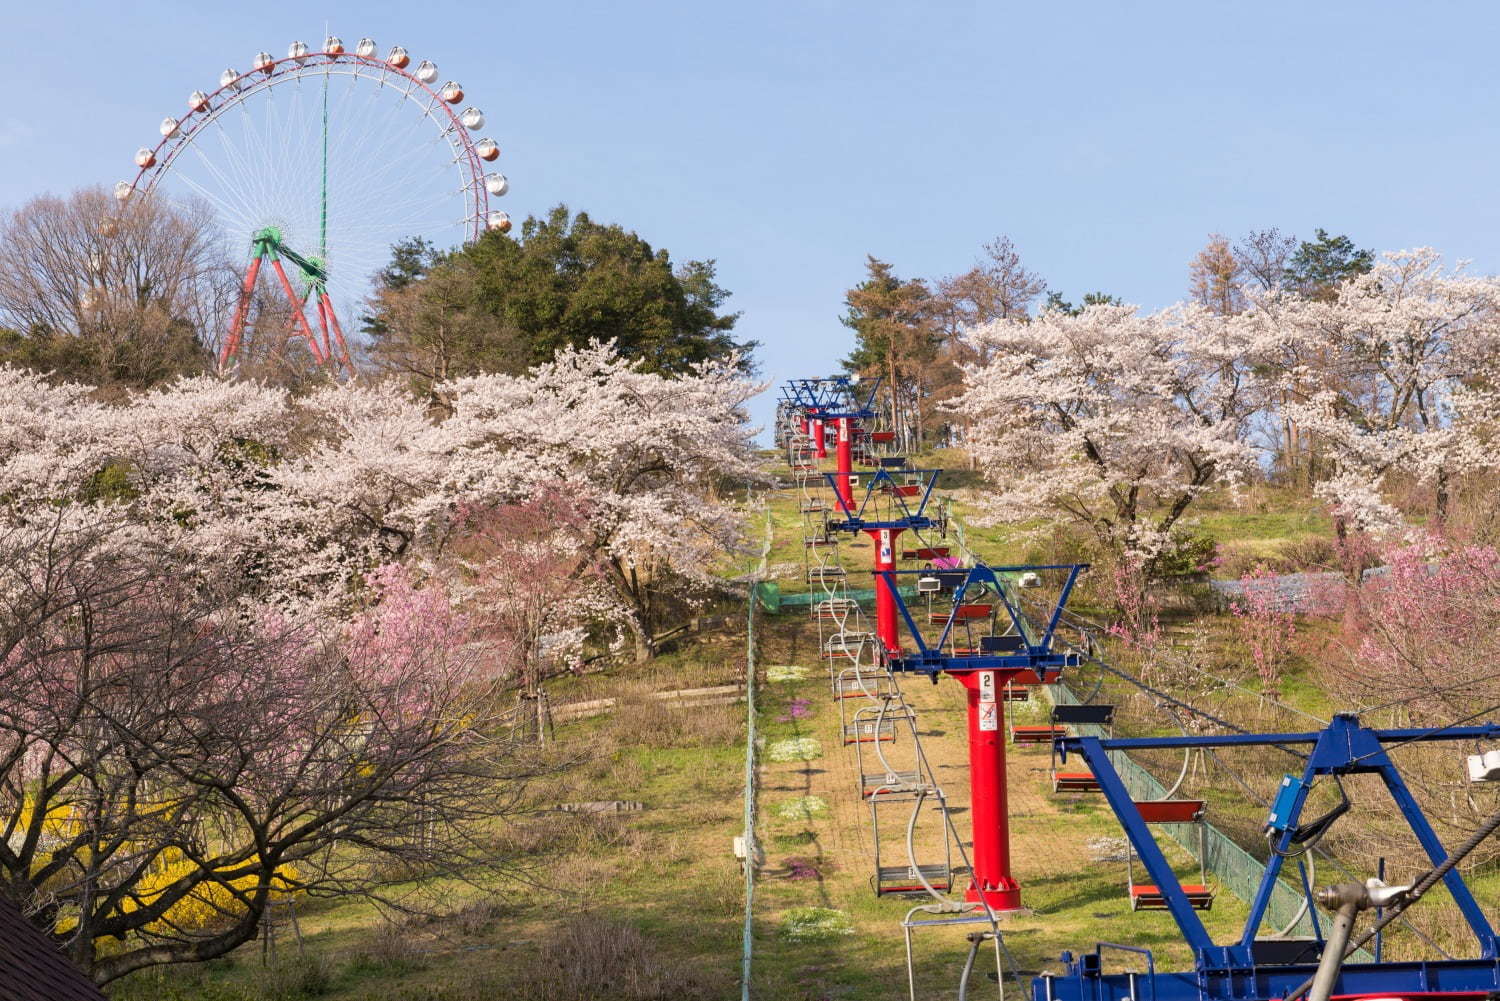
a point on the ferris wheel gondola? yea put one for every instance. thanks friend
(323, 160)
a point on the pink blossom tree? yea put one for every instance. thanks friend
(1424, 633)
(535, 583)
(170, 765)
(1265, 623)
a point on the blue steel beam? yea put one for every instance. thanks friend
(1230, 972)
(1038, 654)
(911, 519)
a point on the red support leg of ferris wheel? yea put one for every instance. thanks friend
(297, 314)
(338, 332)
(323, 326)
(242, 310)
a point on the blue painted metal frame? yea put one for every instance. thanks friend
(850, 405)
(1037, 654)
(831, 397)
(1226, 972)
(855, 521)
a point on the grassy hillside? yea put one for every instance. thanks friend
(647, 904)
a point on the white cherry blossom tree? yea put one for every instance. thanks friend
(1393, 377)
(1112, 419)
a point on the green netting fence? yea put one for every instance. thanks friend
(771, 599)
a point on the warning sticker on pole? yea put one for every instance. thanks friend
(885, 551)
(989, 716)
(986, 686)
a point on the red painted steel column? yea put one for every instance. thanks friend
(885, 604)
(844, 481)
(232, 343)
(992, 878)
(820, 445)
(806, 429)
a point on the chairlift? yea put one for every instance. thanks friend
(836, 609)
(872, 724)
(965, 613)
(1032, 734)
(1148, 897)
(1102, 719)
(862, 682)
(921, 874)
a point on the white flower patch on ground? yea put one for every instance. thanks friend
(815, 924)
(795, 749)
(802, 808)
(786, 672)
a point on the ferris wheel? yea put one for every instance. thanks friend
(315, 165)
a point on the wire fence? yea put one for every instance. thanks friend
(752, 737)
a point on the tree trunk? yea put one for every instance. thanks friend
(1440, 511)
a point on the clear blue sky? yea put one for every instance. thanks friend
(790, 139)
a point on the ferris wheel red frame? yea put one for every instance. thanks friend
(435, 103)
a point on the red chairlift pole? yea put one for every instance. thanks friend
(986, 672)
(988, 797)
(844, 482)
(820, 445)
(884, 540)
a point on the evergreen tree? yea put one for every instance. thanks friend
(508, 302)
(1319, 265)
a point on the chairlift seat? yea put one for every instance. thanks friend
(902, 489)
(1171, 811)
(972, 613)
(1146, 897)
(1285, 951)
(902, 879)
(883, 436)
(868, 731)
(861, 683)
(1074, 782)
(1015, 693)
(1036, 734)
(925, 553)
(887, 787)
(1001, 644)
(835, 608)
(893, 462)
(1090, 715)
